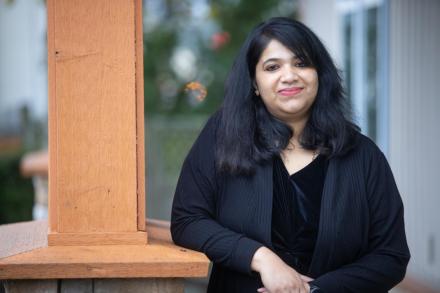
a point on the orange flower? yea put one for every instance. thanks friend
(198, 89)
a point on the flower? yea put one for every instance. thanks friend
(198, 89)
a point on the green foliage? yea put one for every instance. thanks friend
(164, 90)
(157, 45)
(16, 192)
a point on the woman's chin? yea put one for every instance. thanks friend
(293, 112)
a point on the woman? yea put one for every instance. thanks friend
(280, 190)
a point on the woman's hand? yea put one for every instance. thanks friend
(277, 276)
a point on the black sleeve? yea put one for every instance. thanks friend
(193, 223)
(384, 266)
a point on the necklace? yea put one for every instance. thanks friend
(288, 149)
(315, 154)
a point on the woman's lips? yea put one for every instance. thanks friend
(290, 91)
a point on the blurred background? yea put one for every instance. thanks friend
(387, 50)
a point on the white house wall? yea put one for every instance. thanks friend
(23, 69)
(414, 141)
(322, 18)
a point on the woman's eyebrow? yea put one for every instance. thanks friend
(278, 59)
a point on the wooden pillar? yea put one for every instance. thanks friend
(96, 122)
(97, 234)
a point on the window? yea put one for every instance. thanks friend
(364, 32)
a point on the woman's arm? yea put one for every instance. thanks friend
(276, 275)
(385, 264)
(193, 223)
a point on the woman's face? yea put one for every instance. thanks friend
(287, 87)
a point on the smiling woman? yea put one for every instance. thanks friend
(281, 190)
(287, 85)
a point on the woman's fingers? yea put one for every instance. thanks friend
(276, 275)
(307, 287)
(302, 286)
(305, 278)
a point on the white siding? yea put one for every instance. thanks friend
(23, 69)
(322, 18)
(414, 127)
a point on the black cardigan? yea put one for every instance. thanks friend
(361, 244)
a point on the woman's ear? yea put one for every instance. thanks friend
(257, 92)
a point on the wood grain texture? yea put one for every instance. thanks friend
(151, 285)
(96, 124)
(115, 238)
(34, 286)
(22, 237)
(96, 135)
(140, 139)
(52, 118)
(76, 286)
(157, 259)
(140, 285)
(121, 261)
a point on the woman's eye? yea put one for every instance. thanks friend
(272, 67)
(300, 64)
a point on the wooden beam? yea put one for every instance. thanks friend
(137, 285)
(140, 140)
(21, 237)
(96, 164)
(113, 261)
(34, 164)
(160, 258)
(96, 122)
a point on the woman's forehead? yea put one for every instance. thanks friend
(275, 50)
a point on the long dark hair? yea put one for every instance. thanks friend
(248, 134)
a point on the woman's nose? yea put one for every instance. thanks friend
(289, 75)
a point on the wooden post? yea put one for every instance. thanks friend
(97, 234)
(96, 135)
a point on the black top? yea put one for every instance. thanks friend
(295, 211)
(361, 245)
